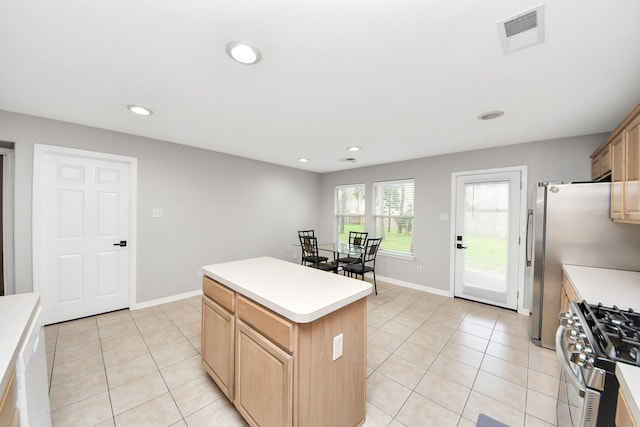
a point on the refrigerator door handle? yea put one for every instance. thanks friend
(529, 241)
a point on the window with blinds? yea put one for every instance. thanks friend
(349, 208)
(393, 204)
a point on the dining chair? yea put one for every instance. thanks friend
(312, 259)
(301, 235)
(367, 263)
(356, 239)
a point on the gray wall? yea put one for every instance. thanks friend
(554, 160)
(216, 207)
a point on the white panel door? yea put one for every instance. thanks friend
(487, 237)
(84, 202)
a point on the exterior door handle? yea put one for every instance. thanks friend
(459, 246)
(123, 243)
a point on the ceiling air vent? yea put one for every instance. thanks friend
(522, 30)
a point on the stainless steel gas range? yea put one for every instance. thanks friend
(590, 341)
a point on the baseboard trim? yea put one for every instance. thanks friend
(165, 300)
(414, 286)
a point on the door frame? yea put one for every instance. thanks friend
(522, 229)
(39, 153)
(7, 220)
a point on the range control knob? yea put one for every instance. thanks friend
(582, 358)
(576, 347)
(566, 319)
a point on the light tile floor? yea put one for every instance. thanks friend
(431, 361)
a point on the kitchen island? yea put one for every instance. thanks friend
(611, 287)
(17, 314)
(286, 343)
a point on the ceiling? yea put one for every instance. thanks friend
(402, 79)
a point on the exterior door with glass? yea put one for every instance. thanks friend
(486, 239)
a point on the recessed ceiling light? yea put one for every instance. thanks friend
(243, 52)
(139, 109)
(354, 148)
(303, 160)
(490, 115)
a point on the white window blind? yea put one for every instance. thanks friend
(349, 210)
(393, 212)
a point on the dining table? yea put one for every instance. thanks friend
(340, 249)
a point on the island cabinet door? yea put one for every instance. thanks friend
(218, 333)
(264, 380)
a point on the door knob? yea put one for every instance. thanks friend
(123, 243)
(459, 246)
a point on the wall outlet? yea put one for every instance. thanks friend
(337, 346)
(419, 269)
(444, 217)
(157, 213)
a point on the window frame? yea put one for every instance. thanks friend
(338, 215)
(394, 252)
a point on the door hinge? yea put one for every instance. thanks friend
(519, 239)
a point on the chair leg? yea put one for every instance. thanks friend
(375, 286)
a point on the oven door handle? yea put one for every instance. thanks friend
(565, 363)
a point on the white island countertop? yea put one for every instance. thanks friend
(612, 287)
(16, 312)
(301, 294)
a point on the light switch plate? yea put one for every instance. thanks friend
(337, 346)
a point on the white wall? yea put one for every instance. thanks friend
(555, 160)
(217, 207)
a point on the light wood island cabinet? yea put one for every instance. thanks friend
(278, 371)
(218, 306)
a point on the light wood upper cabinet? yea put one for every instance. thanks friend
(617, 176)
(621, 152)
(631, 189)
(601, 162)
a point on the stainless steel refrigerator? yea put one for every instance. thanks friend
(572, 226)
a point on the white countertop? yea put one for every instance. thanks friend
(301, 294)
(16, 312)
(612, 287)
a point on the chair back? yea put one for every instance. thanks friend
(309, 246)
(305, 233)
(358, 238)
(371, 250)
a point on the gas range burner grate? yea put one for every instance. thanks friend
(617, 332)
